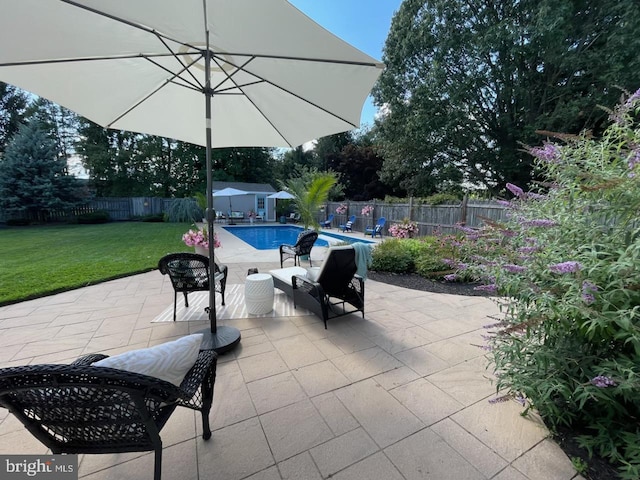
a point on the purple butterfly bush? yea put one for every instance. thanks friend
(566, 267)
(548, 153)
(511, 268)
(588, 291)
(516, 190)
(602, 381)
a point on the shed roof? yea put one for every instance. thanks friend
(247, 187)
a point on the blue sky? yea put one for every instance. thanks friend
(363, 23)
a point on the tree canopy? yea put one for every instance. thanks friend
(124, 163)
(13, 103)
(468, 82)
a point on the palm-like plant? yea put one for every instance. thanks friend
(310, 193)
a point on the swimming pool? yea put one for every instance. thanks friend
(270, 237)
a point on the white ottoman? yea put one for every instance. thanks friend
(258, 293)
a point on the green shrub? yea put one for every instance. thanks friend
(155, 217)
(99, 216)
(18, 222)
(568, 265)
(431, 258)
(394, 256)
(441, 199)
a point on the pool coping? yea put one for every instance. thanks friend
(239, 251)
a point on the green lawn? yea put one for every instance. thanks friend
(36, 261)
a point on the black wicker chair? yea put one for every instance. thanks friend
(336, 290)
(83, 409)
(303, 246)
(189, 272)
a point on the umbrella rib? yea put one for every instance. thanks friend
(195, 86)
(240, 87)
(227, 76)
(306, 59)
(126, 22)
(179, 60)
(289, 92)
(150, 94)
(83, 59)
(161, 35)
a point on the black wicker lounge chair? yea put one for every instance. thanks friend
(189, 272)
(85, 409)
(303, 246)
(335, 290)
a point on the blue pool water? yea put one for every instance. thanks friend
(272, 236)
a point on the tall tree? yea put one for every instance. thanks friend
(108, 157)
(254, 164)
(359, 166)
(61, 123)
(34, 177)
(124, 163)
(295, 158)
(13, 103)
(328, 148)
(469, 81)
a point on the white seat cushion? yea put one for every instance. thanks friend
(285, 274)
(168, 361)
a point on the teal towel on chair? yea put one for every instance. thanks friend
(363, 258)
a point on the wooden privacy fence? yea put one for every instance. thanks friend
(126, 208)
(119, 208)
(429, 218)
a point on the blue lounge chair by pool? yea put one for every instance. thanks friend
(347, 226)
(377, 229)
(327, 222)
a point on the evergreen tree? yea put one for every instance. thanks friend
(33, 175)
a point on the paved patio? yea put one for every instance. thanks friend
(400, 394)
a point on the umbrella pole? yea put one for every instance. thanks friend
(221, 339)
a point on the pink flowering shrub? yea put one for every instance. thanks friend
(367, 210)
(341, 209)
(200, 238)
(406, 229)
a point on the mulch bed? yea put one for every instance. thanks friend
(598, 468)
(416, 282)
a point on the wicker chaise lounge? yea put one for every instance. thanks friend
(330, 291)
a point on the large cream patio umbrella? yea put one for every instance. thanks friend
(217, 73)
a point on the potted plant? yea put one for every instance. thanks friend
(282, 206)
(199, 240)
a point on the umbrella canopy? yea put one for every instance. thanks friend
(282, 194)
(277, 77)
(217, 73)
(229, 192)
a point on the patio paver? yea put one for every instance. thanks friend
(400, 394)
